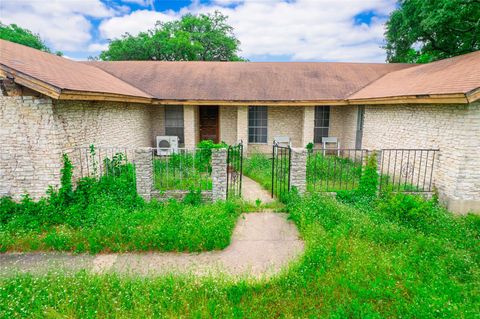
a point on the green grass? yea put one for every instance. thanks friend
(183, 171)
(402, 257)
(259, 168)
(107, 215)
(187, 169)
(170, 226)
(332, 173)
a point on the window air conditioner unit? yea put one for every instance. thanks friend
(167, 145)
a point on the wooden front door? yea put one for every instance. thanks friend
(209, 123)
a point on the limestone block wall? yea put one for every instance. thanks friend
(219, 174)
(144, 172)
(35, 131)
(298, 169)
(228, 124)
(30, 153)
(81, 123)
(454, 129)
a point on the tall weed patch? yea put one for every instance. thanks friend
(106, 214)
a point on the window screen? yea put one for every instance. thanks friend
(257, 124)
(322, 123)
(174, 121)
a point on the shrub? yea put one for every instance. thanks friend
(310, 147)
(194, 197)
(204, 155)
(72, 206)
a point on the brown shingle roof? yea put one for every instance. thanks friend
(244, 81)
(61, 72)
(460, 74)
(247, 81)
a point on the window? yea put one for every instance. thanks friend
(257, 124)
(322, 123)
(174, 121)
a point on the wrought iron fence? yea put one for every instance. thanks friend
(331, 170)
(400, 170)
(184, 169)
(96, 162)
(234, 170)
(281, 159)
(407, 170)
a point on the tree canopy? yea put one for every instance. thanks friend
(204, 37)
(14, 33)
(427, 30)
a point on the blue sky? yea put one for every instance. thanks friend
(269, 30)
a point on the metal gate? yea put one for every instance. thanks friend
(281, 159)
(234, 170)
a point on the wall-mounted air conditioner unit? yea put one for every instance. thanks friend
(167, 145)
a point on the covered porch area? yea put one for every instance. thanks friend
(258, 125)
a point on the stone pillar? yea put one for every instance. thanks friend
(308, 125)
(242, 126)
(144, 172)
(190, 125)
(298, 169)
(219, 174)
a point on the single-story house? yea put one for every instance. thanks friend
(50, 104)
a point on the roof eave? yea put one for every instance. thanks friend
(58, 93)
(249, 102)
(454, 98)
(473, 95)
(31, 82)
(98, 96)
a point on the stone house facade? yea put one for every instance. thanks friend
(45, 112)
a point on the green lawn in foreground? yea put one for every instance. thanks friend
(398, 257)
(171, 226)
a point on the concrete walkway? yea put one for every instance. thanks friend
(262, 243)
(251, 191)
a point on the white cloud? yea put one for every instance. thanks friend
(64, 25)
(302, 29)
(309, 29)
(133, 23)
(96, 47)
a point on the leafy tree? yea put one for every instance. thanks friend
(428, 30)
(204, 37)
(16, 34)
